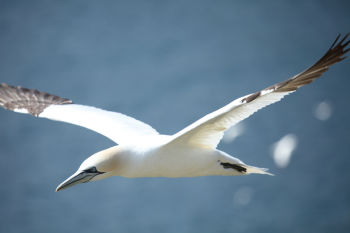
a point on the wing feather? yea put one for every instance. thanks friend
(118, 127)
(208, 131)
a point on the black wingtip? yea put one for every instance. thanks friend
(32, 100)
(346, 44)
(341, 42)
(335, 41)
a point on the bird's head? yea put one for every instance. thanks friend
(98, 166)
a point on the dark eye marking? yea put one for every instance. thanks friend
(92, 170)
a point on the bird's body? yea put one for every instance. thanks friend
(141, 150)
(168, 161)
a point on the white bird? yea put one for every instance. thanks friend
(141, 150)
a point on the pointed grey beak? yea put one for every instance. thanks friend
(77, 178)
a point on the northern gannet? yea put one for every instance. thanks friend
(141, 150)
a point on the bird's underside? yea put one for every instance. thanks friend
(204, 134)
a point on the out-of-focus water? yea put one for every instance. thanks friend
(168, 63)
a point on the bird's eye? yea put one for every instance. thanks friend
(91, 170)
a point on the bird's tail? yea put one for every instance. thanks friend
(257, 170)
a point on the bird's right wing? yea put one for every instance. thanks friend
(118, 127)
(208, 131)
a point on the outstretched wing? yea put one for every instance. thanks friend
(208, 131)
(118, 127)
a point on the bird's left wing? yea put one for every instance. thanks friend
(208, 131)
(118, 127)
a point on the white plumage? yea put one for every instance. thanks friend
(118, 127)
(142, 151)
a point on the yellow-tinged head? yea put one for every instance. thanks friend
(98, 166)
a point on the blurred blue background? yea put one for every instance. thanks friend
(168, 63)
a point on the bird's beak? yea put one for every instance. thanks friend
(77, 178)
